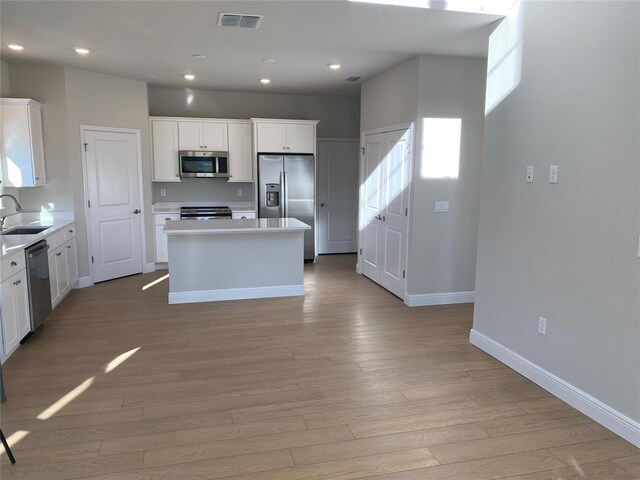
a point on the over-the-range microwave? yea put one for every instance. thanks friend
(201, 164)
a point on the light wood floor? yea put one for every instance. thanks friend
(345, 383)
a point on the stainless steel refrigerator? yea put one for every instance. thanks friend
(286, 188)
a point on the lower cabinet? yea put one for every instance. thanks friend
(162, 253)
(63, 270)
(15, 311)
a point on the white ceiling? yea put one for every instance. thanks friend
(155, 40)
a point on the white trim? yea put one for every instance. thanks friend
(387, 129)
(448, 298)
(84, 282)
(148, 267)
(592, 407)
(236, 294)
(332, 139)
(85, 196)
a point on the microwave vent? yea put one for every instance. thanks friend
(240, 20)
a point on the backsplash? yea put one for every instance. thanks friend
(203, 189)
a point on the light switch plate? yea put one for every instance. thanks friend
(553, 174)
(442, 206)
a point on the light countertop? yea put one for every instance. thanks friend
(11, 244)
(228, 226)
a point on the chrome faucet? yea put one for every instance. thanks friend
(15, 203)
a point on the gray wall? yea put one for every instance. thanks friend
(567, 252)
(338, 115)
(442, 247)
(46, 84)
(71, 98)
(106, 101)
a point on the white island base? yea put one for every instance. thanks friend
(214, 260)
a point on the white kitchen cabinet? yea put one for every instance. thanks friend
(240, 155)
(238, 214)
(63, 264)
(15, 311)
(23, 150)
(162, 254)
(164, 141)
(282, 136)
(210, 136)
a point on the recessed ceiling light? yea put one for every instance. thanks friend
(189, 76)
(334, 66)
(198, 55)
(268, 60)
(82, 51)
(16, 47)
(265, 80)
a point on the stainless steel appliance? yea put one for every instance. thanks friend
(204, 213)
(38, 282)
(200, 164)
(286, 188)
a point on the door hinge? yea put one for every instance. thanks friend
(92, 259)
(89, 203)
(404, 273)
(360, 251)
(406, 212)
(85, 146)
(362, 148)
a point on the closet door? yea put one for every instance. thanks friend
(386, 168)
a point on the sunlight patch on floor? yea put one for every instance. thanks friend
(116, 362)
(155, 282)
(66, 399)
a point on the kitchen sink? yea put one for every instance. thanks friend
(24, 231)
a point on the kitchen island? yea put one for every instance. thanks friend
(214, 260)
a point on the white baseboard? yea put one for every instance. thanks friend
(236, 294)
(148, 267)
(423, 300)
(84, 282)
(592, 407)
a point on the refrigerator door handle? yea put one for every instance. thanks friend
(285, 195)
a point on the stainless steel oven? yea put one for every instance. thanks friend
(204, 213)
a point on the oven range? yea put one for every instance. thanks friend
(204, 213)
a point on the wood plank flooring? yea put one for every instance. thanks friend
(345, 383)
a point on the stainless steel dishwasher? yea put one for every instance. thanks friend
(38, 281)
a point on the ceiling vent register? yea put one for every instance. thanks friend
(240, 20)
(353, 78)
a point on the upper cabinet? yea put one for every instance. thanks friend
(240, 156)
(22, 143)
(164, 145)
(285, 136)
(210, 136)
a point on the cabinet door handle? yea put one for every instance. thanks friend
(68, 246)
(167, 218)
(70, 231)
(14, 264)
(58, 254)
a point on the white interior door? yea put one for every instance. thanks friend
(113, 192)
(371, 223)
(386, 170)
(337, 196)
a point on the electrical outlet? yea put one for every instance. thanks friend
(530, 174)
(553, 174)
(542, 326)
(163, 192)
(239, 192)
(442, 206)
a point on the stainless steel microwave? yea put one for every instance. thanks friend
(200, 164)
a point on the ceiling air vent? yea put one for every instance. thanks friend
(240, 20)
(353, 78)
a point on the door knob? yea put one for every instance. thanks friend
(137, 211)
(378, 217)
(323, 204)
